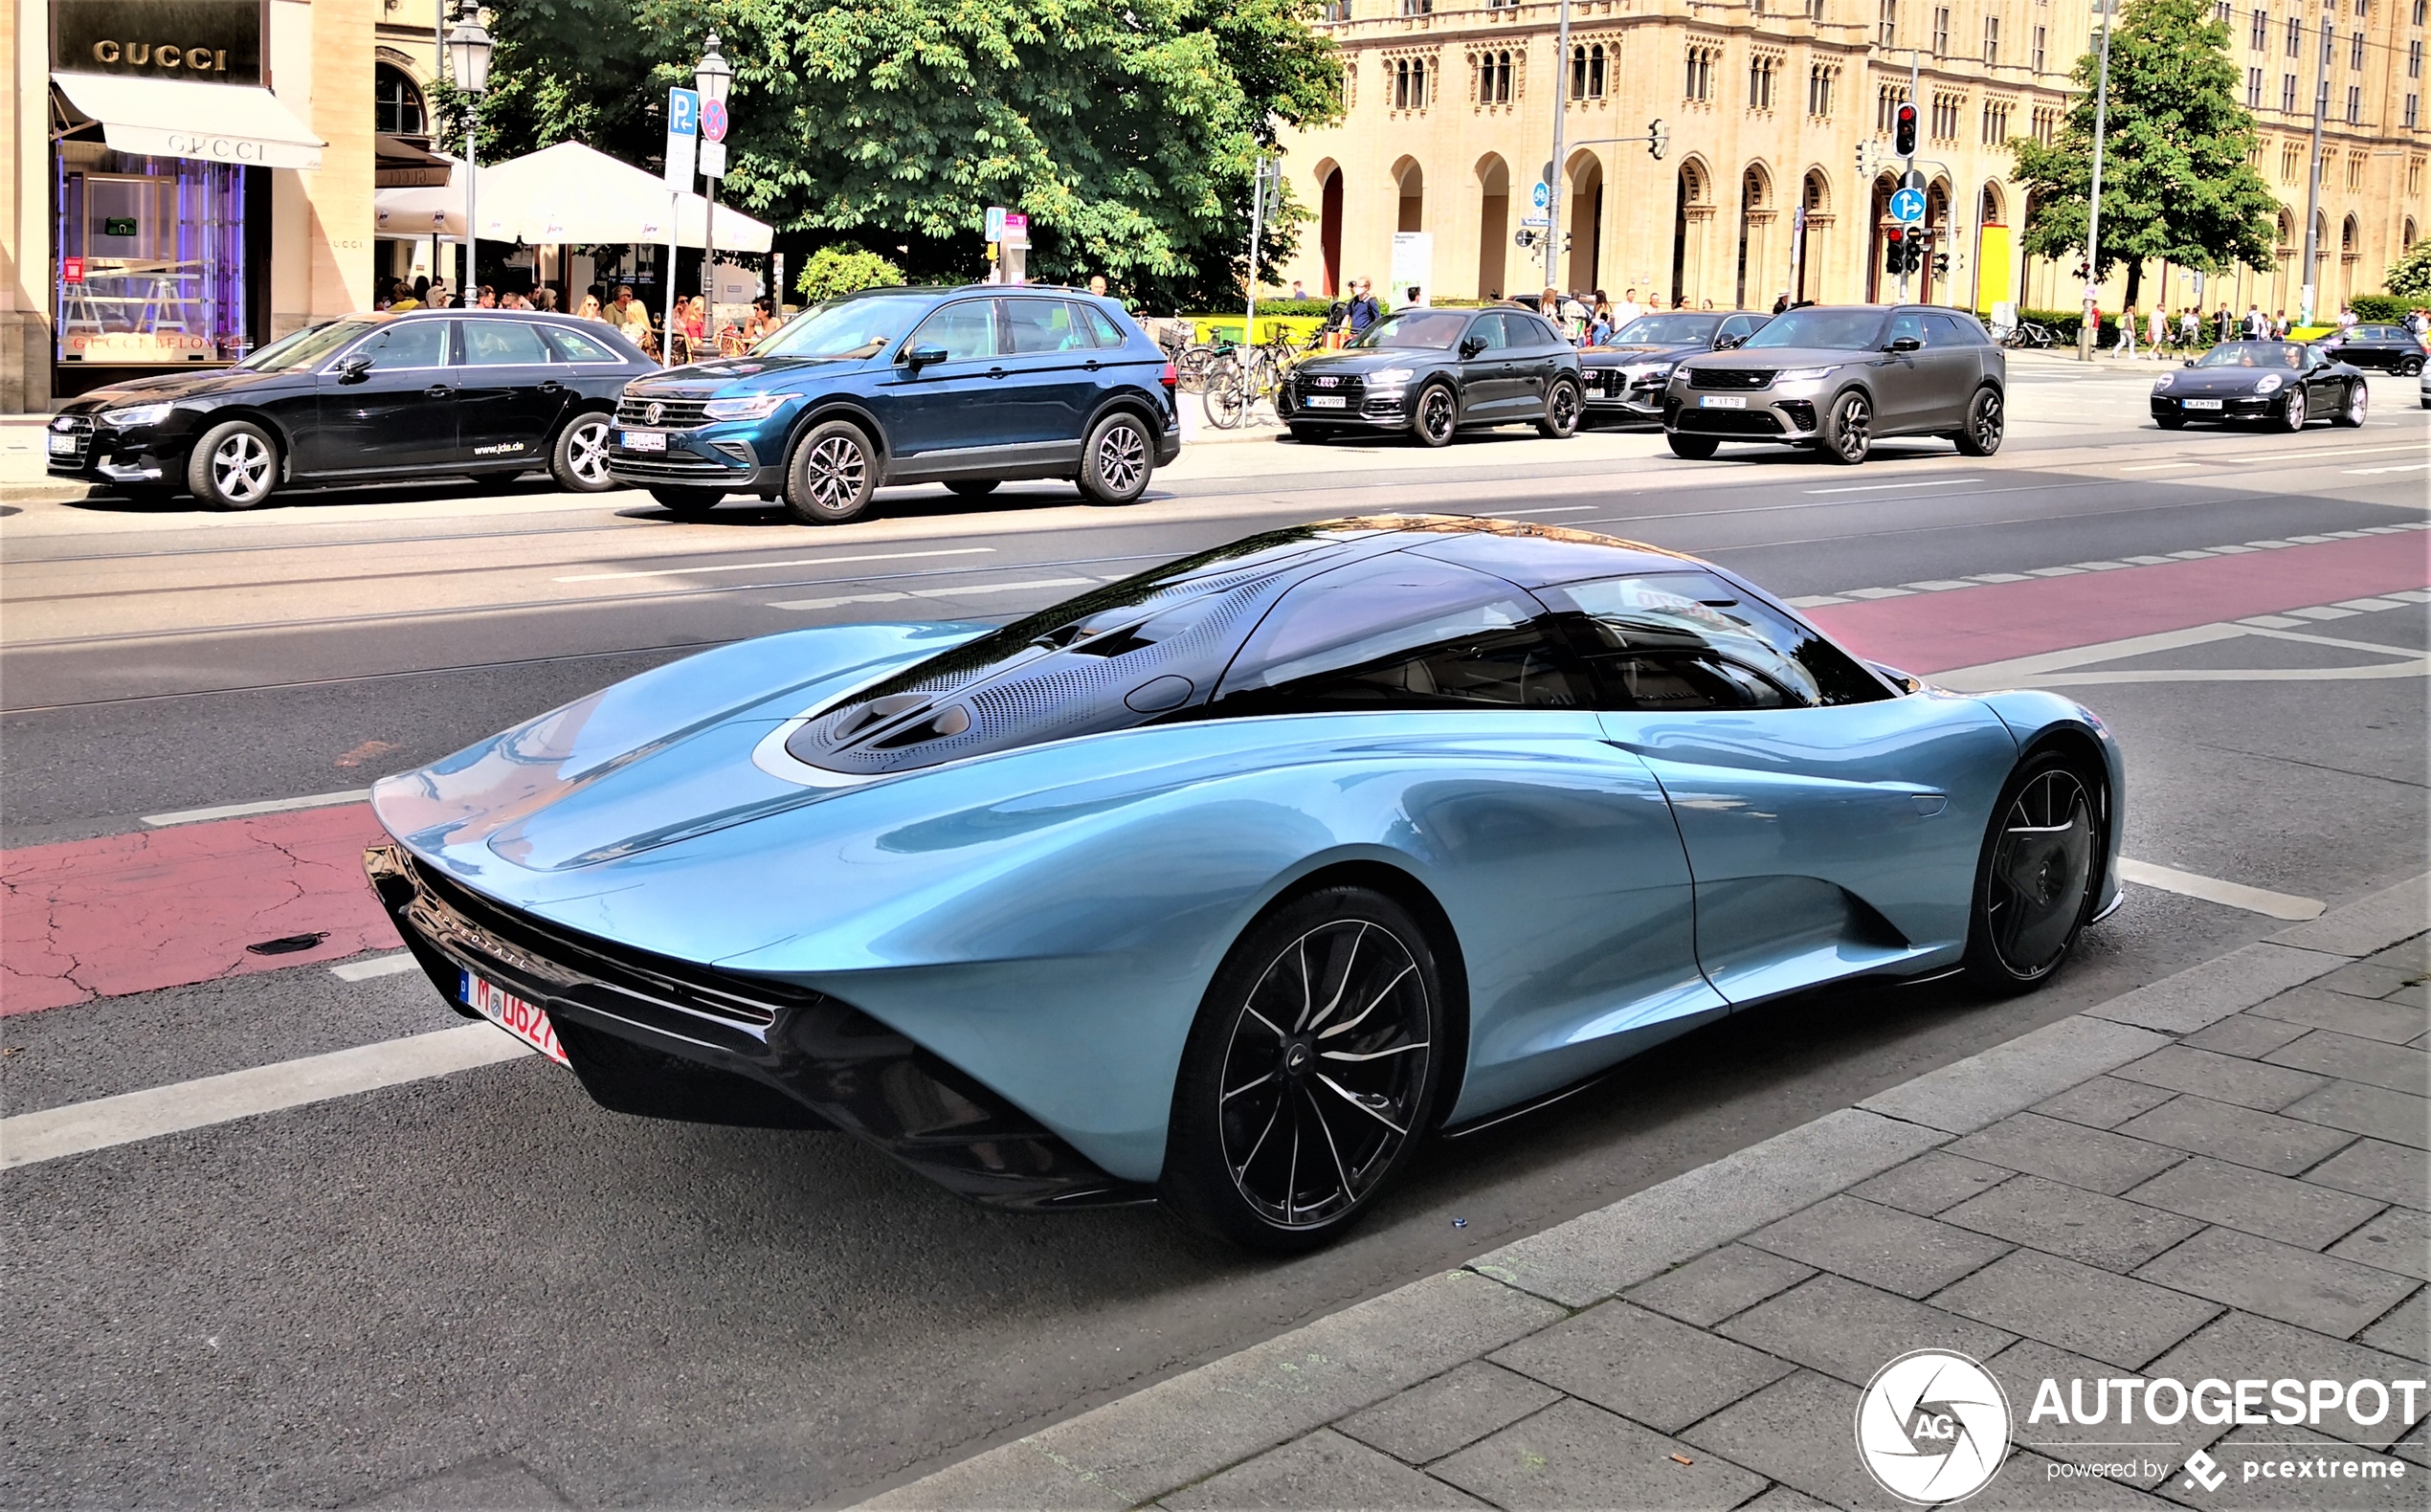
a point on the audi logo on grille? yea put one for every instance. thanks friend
(652, 411)
(1328, 383)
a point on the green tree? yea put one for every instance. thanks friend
(1125, 128)
(2177, 184)
(843, 269)
(2409, 278)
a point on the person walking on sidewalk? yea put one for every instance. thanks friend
(2126, 334)
(1363, 311)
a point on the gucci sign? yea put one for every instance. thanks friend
(213, 41)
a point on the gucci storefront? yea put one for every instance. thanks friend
(202, 200)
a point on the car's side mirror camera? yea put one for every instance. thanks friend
(1472, 346)
(354, 369)
(920, 357)
(1723, 343)
(1906, 344)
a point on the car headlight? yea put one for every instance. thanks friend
(1801, 375)
(751, 407)
(2161, 385)
(2269, 385)
(1390, 377)
(135, 414)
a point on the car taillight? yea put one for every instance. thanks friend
(1170, 377)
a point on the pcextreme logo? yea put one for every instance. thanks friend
(1932, 1427)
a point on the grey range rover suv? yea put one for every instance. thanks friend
(1841, 378)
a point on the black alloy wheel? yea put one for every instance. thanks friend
(972, 487)
(2292, 416)
(1695, 448)
(233, 466)
(687, 503)
(1117, 459)
(2033, 885)
(834, 473)
(1848, 431)
(2409, 366)
(2357, 408)
(579, 459)
(1436, 418)
(1986, 421)
(1562, 406)
(1310, 1073)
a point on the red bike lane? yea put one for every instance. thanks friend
(133, 912)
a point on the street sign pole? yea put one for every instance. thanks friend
(1914, 79)
(683, 143)
(2093, 201)
(1553, 175)
(713, 130)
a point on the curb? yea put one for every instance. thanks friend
(1188, 1426)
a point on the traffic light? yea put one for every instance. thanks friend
(1895, 251)
(1941, 265)
(1865, 161)
(1903, 134)
(1526, 237)
(1916, 253)
(1658, 138)
(1565, 241)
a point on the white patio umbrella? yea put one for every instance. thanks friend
(567, 193)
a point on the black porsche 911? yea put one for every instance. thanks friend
(2282, 383)
(1435, 372)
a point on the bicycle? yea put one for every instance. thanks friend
(1235, 383)
(2029, 335)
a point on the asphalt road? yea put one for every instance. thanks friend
(482, 1290)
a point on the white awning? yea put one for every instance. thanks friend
(172, 118)
(567, 193)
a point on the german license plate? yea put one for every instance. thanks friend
(1723, 401)
(2203, 403)
(645, 440)
(523, 1020)
(1328, 401)
(62, 444)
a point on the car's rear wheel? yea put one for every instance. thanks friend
(1848, 430)
(2358, 405)
(2035, 881)
(1695, 448)
(579, 461)
(1436, 418)
(972, 487)
(833, 475)
(1117, 459)
(1310, 1073)
(233, 466)
(687, 503)
(2292, 416)
(1562, 406)
(2410, 367)
(1987, 420)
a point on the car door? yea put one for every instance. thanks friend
(945, 413)
(513, 392)
(387, 402)
(1542, 352)
(1051, 366)
(1898, 377)
(2325, 390)
(1490, 380)
(1952, 364)
(1832, 826)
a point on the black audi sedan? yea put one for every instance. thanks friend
(2390, 348)
(367, 398)
(1625, 377)
(1435, 372)
(2280, 383)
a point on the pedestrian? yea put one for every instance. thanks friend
(2157, 330)
(2126, 334)
(2346, 317)
(547, 300)
(1416, 297)
(1298, 290)
(1781, 302)
(2190, 327)
(2256, 323)
(1601, 330)
(589, 309)
(1097, 284)
(1627, 310)
(2279, 326)
(1362, 310)
(489, 298)
(629, 314)
(1549, 304)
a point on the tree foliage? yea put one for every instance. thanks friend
(2177, 184)
(2409, 278)
(843, 269)
(1125, 128)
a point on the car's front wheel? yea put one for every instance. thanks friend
(833, 475)
(579, 461)
(1562, 406)
(1986, 423)
(1438, 415)
(1848, 431)
(1116, 459)
(2409, 366)
(2358, 405)
(2292, 417)
(2035, 879)
(1695, 448)
(1310, 1073)
(233, 466)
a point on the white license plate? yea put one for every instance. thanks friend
(62, 444)
(1722, 401)
(2203, 403)
(525, 1021)
(645, 440)
(1327, 401)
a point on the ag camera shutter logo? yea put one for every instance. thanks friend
(1932, 1427)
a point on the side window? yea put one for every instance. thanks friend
(1041, 325)
(1908, 322)
(1735, 329)
(1399, 633)
(1690, 640)
(1491, 330)
(577, 346)
(502, 343)
(408, 343)
(1530, 330)
(1100, 325)
(1955, 330)
(966, 330)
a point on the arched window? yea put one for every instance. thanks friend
(1595, 72)
(1417, 84)
(1577, 73)
(1503, 78)
(396, 104)
(1401, 84)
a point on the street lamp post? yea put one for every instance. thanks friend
(468, 53)
(1554, 176)
(713, 76)
(2309, 292)
(2093, 201)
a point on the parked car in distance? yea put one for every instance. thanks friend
(969, 387)
(366, 398)
(1838, 378)
(1436, 372)
(2388, 349)
(2282, 383)
(1625, 378)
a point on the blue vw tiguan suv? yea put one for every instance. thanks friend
(966, 387)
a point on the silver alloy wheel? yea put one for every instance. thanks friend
(1122, 460)
(2295, 420)
(2040, 873)
(587, 450)
(1322, 1079)
(2358, 401)
(1985, 422)
(240, 468)
(835, 470)
(1436, 413)
(1856, 429)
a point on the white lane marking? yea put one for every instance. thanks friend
(1814, 600)
(238, 811)
(2154, 467)
(2366, 603)
(2103, 567)
(1867, 488)
(28, 1138)
(1939, 585)
(2058, 571)
(2212, 890)
(1998, 577)
(2337, 451)
(1549, 509)
(2323, 611)
(934, 592)
(799, 562)
(2374, 471)
(394, 965)
(2056, 668)
(2273, 622)
(1879, 592)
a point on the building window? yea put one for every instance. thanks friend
(396, 106)
(1941, 30)
(1494, 78)
(1887, 27)
(1700, 73)
(2418, 12)
(1417, 7)
(2287, 162)
(1818, 91)
(1887, 108)
(2355, 105)
(2261, 39)
(2295, 37)
(2414, 175)
(2355, 51)
(1587, 72)
(2414, 59)
(1992, 41)
(1948, 110)
(1409, 84)
(2224, 13)
(2040, 34)
(2354, 171)
(2253, 89)
(1333, 10)
(2046, 124)
(1760, 71)
(2288, 93)
(2412, 102)
(1996, 122)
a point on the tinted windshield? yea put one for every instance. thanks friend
(2253, 354)
(1843, 331)
(307, 347)
(862, 327)
(1433, 329)
(1667, 330)
(1666, 616)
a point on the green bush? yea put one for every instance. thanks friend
(2409, 278)
(844, 269)
(1277, 305)
(2381, 307)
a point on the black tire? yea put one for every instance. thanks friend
(1309, 434)
(1117, 459)
(1248, 1075)
(831, 473)
(579, 458)
(1695, 448)
(2353, 414)
(1987, 421)
(2170, 422)
(972, 487)
(2291, 414)
(1562, 407)
(1848, 430)
(2409, 366)
(687, 503)
(2035, 879)
(1435, 417)
(234, 465)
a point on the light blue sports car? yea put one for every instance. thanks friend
(1227, 884)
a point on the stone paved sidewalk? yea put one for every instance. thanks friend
(2220, 1174)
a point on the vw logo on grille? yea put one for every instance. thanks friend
(651, 411)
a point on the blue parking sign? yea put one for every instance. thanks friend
(683, 112)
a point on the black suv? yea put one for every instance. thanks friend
(1436, 372)
(371, 398)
